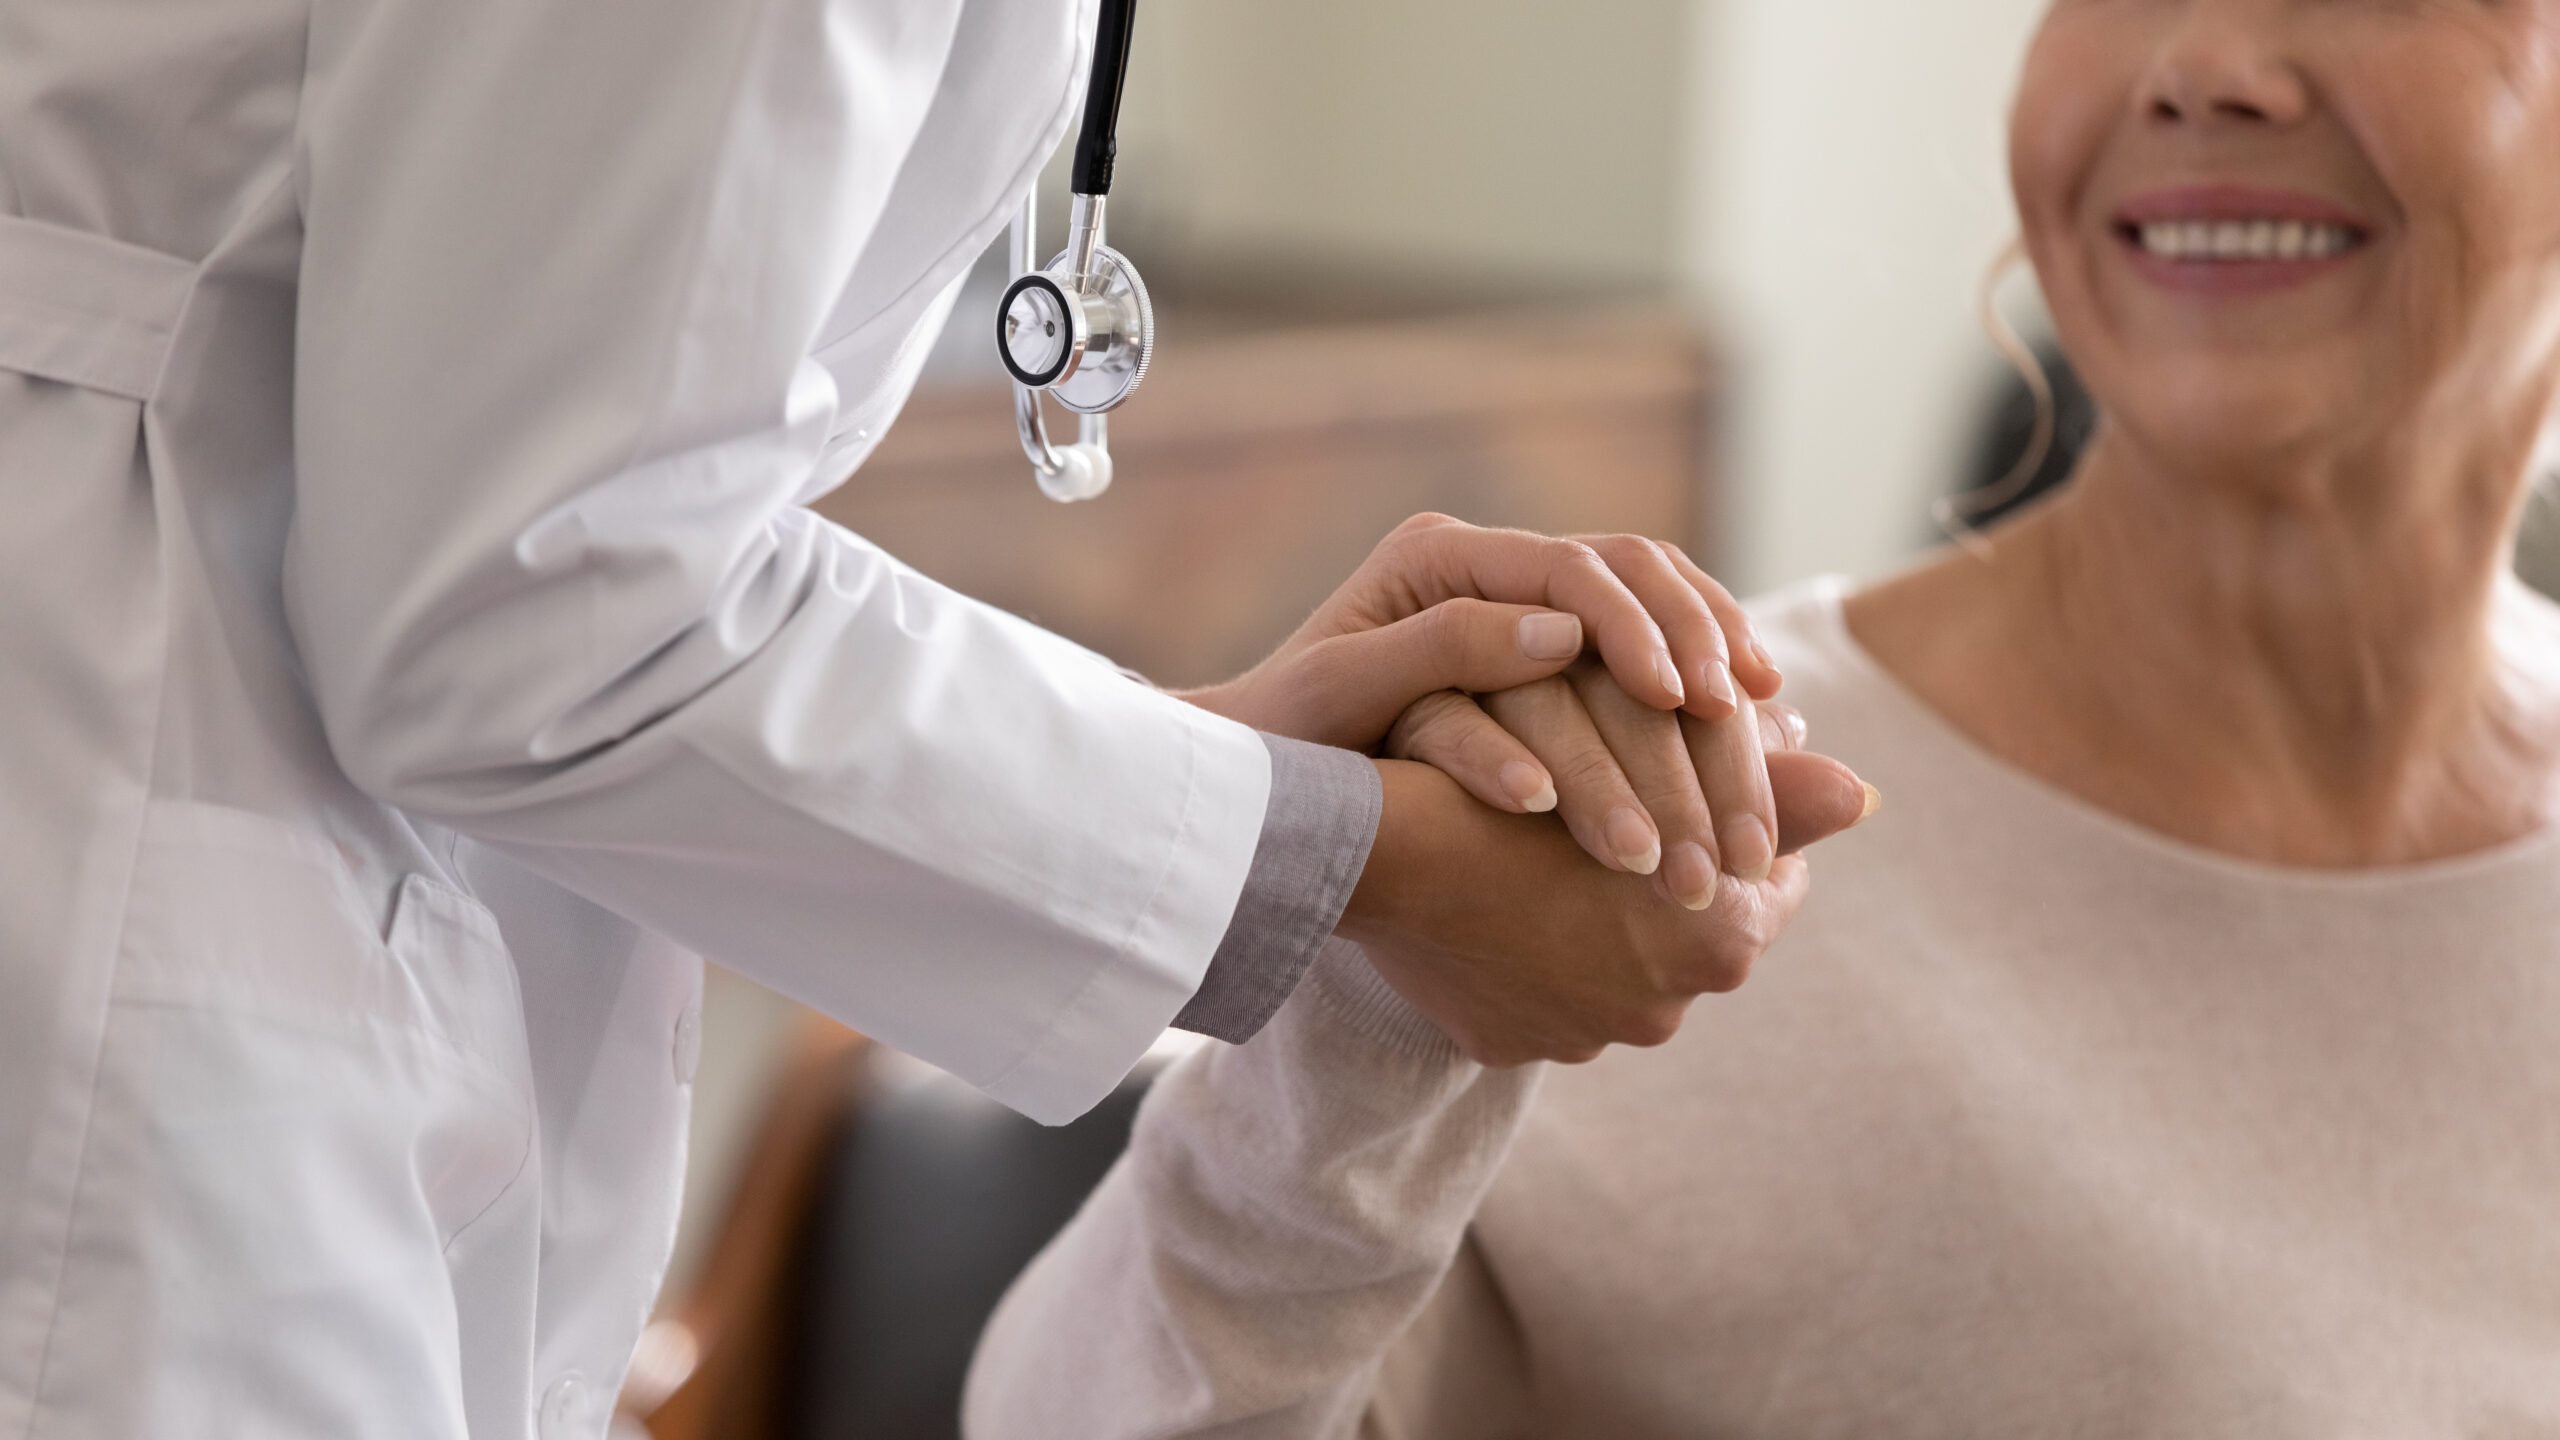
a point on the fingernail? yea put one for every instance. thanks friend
(1720, 684)
(1760, 653)
(1747, 851)
(1690, 875)
(1530, 786)
(1773, 732)
(1550, 636)
(1875, 802)
(1632, 840)
(1669, 675)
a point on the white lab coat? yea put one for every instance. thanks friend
(412, 651)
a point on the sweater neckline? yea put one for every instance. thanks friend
(2535, 853)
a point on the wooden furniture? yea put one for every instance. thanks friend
(712, 1367)
(1255, 471)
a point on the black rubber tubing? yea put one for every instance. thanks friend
(1099, 143)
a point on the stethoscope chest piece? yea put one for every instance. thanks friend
(1086, 344)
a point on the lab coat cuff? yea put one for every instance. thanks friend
(1315, 841)
(1127, 1005)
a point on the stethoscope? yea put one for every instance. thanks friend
(1081, 329)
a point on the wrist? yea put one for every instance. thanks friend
(1379, 898)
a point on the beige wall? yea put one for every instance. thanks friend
(1477, 141)
(1845, 189)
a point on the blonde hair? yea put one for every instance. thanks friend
(1956, 514)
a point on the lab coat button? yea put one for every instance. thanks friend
(564, 1410)
(688, 1055)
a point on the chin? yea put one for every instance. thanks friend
(2230, 413)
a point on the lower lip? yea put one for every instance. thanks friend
(2230, 277)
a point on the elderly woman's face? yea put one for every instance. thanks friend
(2277, 226)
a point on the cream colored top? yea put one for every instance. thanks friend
(2035, 1124)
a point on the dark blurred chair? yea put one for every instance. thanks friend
(934, 1199)
(882, 1212)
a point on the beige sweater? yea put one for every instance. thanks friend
(2034, 1125)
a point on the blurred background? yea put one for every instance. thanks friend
(1703, 269)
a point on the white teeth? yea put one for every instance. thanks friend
(2228, 240)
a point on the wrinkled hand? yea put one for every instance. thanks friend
(1443, 605)
(1505, 934)
(1539, 955)
(1674, 797)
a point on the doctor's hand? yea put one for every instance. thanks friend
(1500, 930)
(1441, 605)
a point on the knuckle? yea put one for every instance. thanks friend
(1484, 745)
(1728, 966)
(1650, 1029)
(1730, 976)
(1621, 548)
(1418, 528)
(1588, 772)
(1543, 694)
(1576, 555)
(1449, 634)
(1424, 727)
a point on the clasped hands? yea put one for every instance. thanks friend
(1499, 676)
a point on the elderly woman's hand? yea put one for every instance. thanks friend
(1650, 793)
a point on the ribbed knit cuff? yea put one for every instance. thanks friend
(1316, 833)
(1350, 990)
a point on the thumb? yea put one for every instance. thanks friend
(1817, 798)
(1351, 688)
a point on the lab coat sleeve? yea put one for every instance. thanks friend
(566, 266)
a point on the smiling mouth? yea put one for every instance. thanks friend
(2241, 241)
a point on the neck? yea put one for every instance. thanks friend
(2305, 672)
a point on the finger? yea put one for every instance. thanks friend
(1714, 951)
(1697, 638)
(1817, 797)
(1650, 749)
(1421, 565)
(1752, 664)
(1781, 727)
(1451, 733)
(1348, 690)
(1592, 794)
(1734, 774)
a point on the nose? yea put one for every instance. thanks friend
(2225, 62)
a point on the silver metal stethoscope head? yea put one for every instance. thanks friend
(1081, 328)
